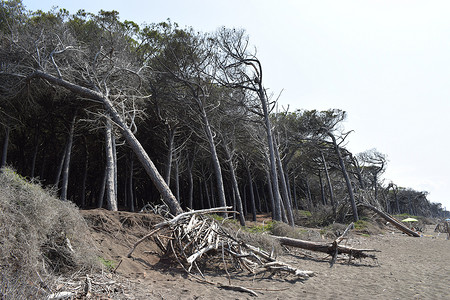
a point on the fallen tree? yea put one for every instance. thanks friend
(333, 249)
(392, 220)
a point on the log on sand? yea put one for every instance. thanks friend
(391, 219)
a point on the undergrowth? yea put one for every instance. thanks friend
(40, 237)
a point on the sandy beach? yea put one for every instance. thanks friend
(405, 268)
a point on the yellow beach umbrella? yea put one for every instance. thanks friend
(410, 220)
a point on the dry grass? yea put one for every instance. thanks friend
(40, 237)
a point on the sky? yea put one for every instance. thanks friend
(386, 63)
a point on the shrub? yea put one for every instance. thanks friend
(40, 236)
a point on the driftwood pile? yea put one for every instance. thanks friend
(194, 237)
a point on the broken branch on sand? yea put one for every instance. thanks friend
(193, 236)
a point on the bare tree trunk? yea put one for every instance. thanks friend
(346, 177)
(143, 157)
(111, 197)
(308, 195)
(213, 194)
(215, 159)
(322, 189)
(35, 153)
(101, 194)
(177, 178)
(330, 187)
(114, 148)
(270, 188)
(234, 182)
(257, 198)
(171, 140)
(65, 173)
(60, 166)
(5, 148)
(208, 198)
(285, 198)
(252, 195)
(190, 165)
(130, 185)
(295, 192)
(273, 169)
(85, 173)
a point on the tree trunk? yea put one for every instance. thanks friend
(130, 185)
(85, 173)
(322, 189)
(65, 172)
(171, 139)
(252, 194)
(190, 165)
(308, 195)
(270, 188)
(177, 178)
(295, 192)
(273, 169)
(215, 159)
(111, 197)
(234, 182)
(346, 177)
(60, 166)
(142, 155)
(330, 187)
(101, 194)
(208, 198)
(285, 197)
(5, 148)
(33, 160)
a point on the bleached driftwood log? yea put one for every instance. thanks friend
(391, 219)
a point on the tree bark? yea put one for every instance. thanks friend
(234, 182)
(346, 177)
(190, 165)
(252, 194)
(60, 166)
(171, 139)
(5, 148)
(111, 197)
(215, 158)
(270, 188)
(85, 173)
(285, 197)
(101, 194)
(65, 173)
(130, 185)
(142, 155)
(330, 187)
(273, 169)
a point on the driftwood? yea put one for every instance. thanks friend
(443, 227)
(398, 224)
(333, 249)
(195, 239)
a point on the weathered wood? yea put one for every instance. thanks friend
(393, 221)
(329, 248)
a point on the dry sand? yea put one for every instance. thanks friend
(406, 268)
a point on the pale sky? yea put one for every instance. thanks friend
(387, 63)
